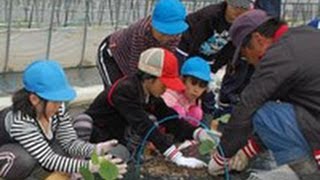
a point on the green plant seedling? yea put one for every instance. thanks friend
(108, 170)
(206, 147)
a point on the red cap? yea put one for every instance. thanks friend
(163, 64)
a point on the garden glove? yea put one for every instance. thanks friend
(240, 161)
(173, 154)
(120, 164)
(217, 164)
(105, 147)
(186, 144)
(201, 134)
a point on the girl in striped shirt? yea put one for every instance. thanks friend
(36, 130)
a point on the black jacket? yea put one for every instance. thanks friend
(123, 105)
(289, 72)
(209, 28)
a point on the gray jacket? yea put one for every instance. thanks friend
(289, 72)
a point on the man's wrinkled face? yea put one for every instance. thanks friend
(252, 55)
(255, 48)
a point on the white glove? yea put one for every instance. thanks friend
(201, 134)
(176, 156)
(217, 164)
(239, 161)
(122, 166)
(186, 144)
(105, 147)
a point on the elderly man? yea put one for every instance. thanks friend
(281, 104)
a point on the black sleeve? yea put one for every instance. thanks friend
(98, 109)
(275, 68)
(128, 102)
(180, 128)
(223, 57)
(200, 28)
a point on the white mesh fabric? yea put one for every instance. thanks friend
(151, 61)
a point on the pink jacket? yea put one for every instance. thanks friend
(188, 110)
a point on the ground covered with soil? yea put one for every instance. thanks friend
(155, 167)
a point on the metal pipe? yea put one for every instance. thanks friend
(8, 37)
(85, 33)
(50, 29)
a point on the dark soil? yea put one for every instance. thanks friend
(159, 168)
(155, 167)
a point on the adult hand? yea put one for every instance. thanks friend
(239, 161)
(217, 164)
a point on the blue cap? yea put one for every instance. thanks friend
(196, 67)
(47, 79)
(169, 17)
(315, 23)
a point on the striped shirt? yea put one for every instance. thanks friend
(29, 134)
(127, 44)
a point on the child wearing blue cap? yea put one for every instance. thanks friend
(196, 76)
(118, 54)
(36, 131)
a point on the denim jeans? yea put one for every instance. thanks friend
(276, 125)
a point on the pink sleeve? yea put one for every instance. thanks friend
(180, 110)
(170, 98)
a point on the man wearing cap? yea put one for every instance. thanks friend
(208, 37)
(281, 104)
(118, 53)
(122, 111)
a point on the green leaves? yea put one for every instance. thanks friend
(86, 174)
(107, 170)
(95, 158)
(206, 147)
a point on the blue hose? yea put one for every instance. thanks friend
(168, 118)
